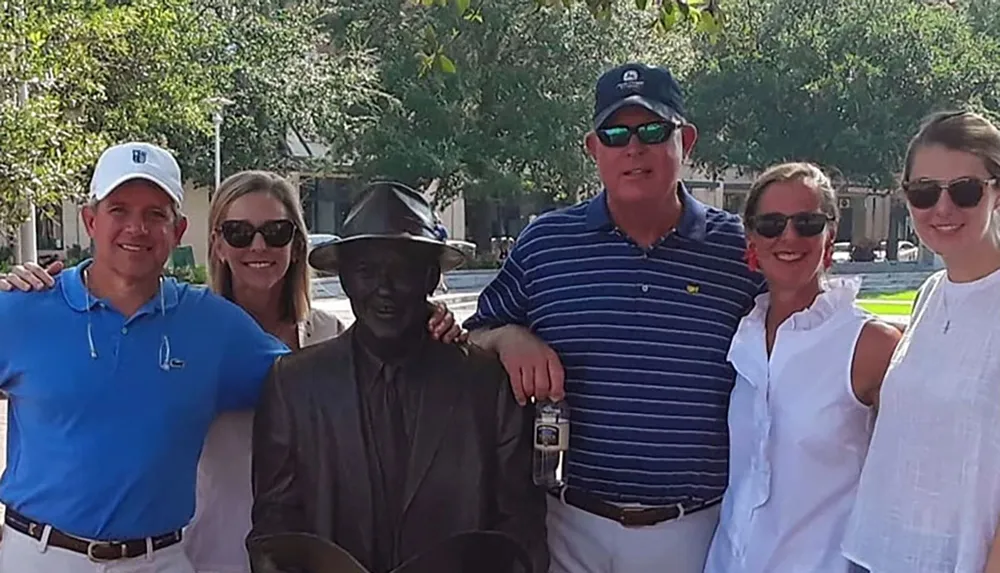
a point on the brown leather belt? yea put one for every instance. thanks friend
(95, 550)
(629, 516)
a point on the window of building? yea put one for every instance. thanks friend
(326, 203)
(49, 229)
(734, 202)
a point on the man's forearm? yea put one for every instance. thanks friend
(486, 338)
(993, 557)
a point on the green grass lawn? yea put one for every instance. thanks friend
(899, 303)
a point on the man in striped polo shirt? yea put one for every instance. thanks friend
(631, 298)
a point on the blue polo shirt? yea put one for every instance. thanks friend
(107, 447)
(643, 336)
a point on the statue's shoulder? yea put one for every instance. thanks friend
(328, 354)
(476, 360)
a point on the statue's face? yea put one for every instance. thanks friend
(388, 282)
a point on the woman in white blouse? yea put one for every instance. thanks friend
(929, 499)
(809, 364)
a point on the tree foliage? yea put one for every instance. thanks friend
(102, 72)
(704, 16)
(282, 72)
(96, 73)
(491, 97)
(813, 80)
(340, 73)
(500, 112)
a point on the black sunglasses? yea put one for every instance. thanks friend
(239, 233)
(771, 225)
(649, 133)
(965, 192)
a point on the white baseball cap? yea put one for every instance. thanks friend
(136, 160)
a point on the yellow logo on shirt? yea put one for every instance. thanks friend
(693, 288)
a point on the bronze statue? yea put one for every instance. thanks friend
(473, 552)
(383, 440)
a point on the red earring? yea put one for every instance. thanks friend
(750, 256)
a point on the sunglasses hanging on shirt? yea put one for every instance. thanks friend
(239, 234)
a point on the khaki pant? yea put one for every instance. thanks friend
(580, 542)
(22, 554)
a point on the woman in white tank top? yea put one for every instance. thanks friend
(929, 498)
(809, 364)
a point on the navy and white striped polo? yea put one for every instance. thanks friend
(643, 337)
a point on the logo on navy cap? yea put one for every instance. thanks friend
(630, 81)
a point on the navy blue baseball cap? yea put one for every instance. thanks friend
(653, 88)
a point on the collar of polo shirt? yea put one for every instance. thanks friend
(692, 225)
(75, 291)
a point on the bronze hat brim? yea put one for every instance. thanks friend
(324, 257)
(469, 552)
(315, 554)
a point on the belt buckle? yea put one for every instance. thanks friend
(91, 546)
(626, 512)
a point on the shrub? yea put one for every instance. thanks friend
(75, 254)
(6, 258)
(195, 275)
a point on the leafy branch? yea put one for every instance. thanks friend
(703, 17)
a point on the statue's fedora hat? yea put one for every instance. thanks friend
(387, 210)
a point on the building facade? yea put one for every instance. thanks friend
(325, 201)
(864, 216)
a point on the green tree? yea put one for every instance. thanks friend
(44, 149)
(103, 71)
(807, 79)
(664, 15)
(96, 73)
(282, 72)
(811, 80)
(502, 120)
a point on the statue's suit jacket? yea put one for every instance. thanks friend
(469, 468)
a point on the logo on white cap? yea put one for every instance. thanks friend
(136, 160)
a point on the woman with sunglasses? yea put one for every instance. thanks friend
(257, 259)
(809, 364)
(929, 497)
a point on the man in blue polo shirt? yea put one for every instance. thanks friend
(630, 300)
(112, 378)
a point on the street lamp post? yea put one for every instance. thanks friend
(27, 238)
(217, 120)
(218, 103)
